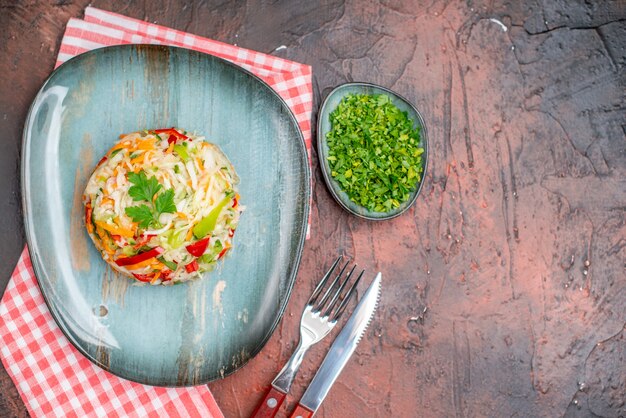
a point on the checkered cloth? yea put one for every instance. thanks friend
(51, 376)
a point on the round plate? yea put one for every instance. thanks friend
(324, 126)
(164, 336)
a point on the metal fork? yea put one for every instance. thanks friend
(320, 315)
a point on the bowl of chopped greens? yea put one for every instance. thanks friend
(373, 151)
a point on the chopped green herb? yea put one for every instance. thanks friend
(114, 153)
(374, 151)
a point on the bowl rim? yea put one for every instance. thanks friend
(321, 140)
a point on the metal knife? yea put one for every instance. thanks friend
(340, 352)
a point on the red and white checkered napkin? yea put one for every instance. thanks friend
(51, 376)
(55, 380)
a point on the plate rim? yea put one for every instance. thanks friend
(29, 234)
(331, 184)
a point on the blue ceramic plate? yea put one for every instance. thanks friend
(165, 336)
(324, 126)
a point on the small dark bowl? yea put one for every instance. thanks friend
(329, 104)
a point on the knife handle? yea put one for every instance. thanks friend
(271, 404)
(301, 412)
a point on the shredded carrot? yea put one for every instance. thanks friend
(181, 215)
(100, 232)
(107, 200)
(188, 236)
(156, 277)
(200, 165)
(138, 158)
(116, 229)
(170, 148)
(132, 226)
(105, 240)
(146, 144)
(121, 145)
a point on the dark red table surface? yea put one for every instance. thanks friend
(505, 285)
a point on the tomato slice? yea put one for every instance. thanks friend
(166, 275)
(117, 239)
(191, 267)
(199, 247)
(222, 253)
(102, 160)
(143, 277)
(127, 261)
(144, 239)
(88, 212)
(173, 134)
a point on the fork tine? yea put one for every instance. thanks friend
(346, 299)
(332, 303)
(322, 283)
(322, 302)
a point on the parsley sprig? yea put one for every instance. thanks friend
(145, 189)
(374, 151)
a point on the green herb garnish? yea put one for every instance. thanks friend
(142, 214)
(145, 189)
(164, 203)
(374, 151)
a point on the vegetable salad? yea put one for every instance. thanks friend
(162, 206)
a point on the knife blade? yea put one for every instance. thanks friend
(340, 351)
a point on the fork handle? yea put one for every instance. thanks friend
(271, 404)
(284, 378)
